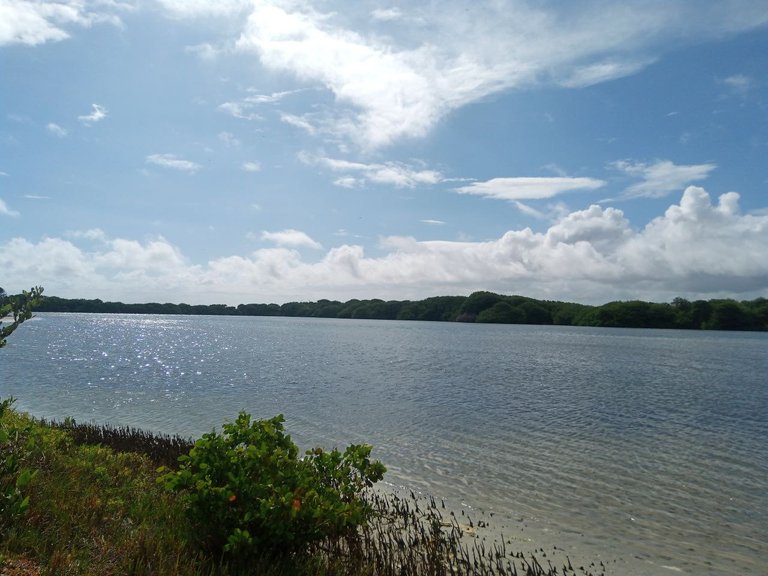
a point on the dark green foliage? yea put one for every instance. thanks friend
(248, 493)
(477, 302)
(502, 313)
(635, 314)
(436, 309)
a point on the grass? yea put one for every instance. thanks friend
(95, 508)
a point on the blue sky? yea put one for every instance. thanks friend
(252, 151)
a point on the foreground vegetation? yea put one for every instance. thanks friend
(721, 314)
(84, 499)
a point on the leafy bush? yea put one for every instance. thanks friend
(249, 494)
(14, 478)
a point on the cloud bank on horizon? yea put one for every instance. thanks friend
(297, 150)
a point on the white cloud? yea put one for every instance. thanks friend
(432, 222)
(739, 84)
(56, 130)
(347, 182)
(250, 167)
(244, 108)
(290, 237)
(239, 110)
(256, 98)
(661, 178)
(599, 72)
(34, 22)
(388, 87)
(204, 8)
(298, 122)
(529, 188)
(395, 174)
(173, 162)
(96, 234)
(98, 113)
(387, 14)
(5, 211)
(696, 249)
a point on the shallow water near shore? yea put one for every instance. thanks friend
(643, 449)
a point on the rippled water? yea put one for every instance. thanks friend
(645, 448)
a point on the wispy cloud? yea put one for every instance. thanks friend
(598, 72)
(229, 140)
(534, 188)
(204, 8)
(245, 107)
(432, 222)
(290, 237)
(387, 14)
(386, 87)
(250, 167)
(395, 174)
(6, 211)
(173, 162)
(239, 110)
(56, 130)
(738, 85)
(660, 178)
(98, 113)
(299, 122)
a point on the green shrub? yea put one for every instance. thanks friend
(249, 494)
(14, 478)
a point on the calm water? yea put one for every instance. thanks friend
(648, 449)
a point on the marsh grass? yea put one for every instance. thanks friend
(96, 508)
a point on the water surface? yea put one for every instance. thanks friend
(645, 448)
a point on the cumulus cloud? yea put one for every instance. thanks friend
(661, 178)
(34, 22)
(98, 113)
(395, 174)
(386, 87)
(290, 237)
(5, 210)
(173, 162)
(250, 167)
(529, 188)
(697, 248)
(56, 130)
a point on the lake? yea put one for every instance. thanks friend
(647, 449)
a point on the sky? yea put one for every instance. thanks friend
(271, 151)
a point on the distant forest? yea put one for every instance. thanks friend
(484, 307)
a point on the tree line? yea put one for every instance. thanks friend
(479, 307)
